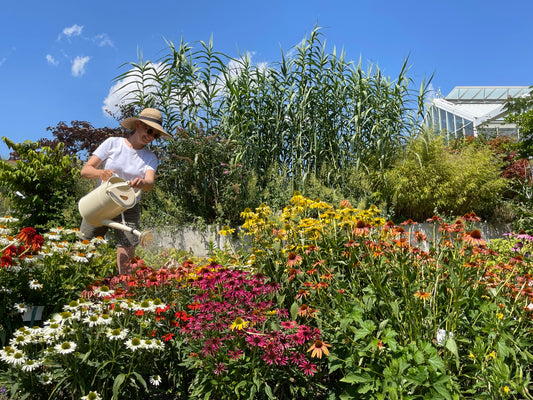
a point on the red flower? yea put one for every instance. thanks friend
(26, 235)
(168, 337)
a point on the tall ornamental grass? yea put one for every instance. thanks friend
(312, 114)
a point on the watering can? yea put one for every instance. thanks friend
(109, 200)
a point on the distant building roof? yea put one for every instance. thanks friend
(467, 109)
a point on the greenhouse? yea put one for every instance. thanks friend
(471, 110)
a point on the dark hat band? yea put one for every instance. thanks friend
(157, 121)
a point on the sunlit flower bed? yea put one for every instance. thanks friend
(318, 302)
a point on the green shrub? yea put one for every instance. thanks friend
(43, 185)
(434, 180)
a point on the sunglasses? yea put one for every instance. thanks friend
(152, 132)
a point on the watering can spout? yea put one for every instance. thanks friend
(145, 237)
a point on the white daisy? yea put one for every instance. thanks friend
(65, 347)
(103, 291)
(15, 357)
(134, 344)
(21, 308)
(61, 248)
(79, 257)
(7, 219)
(98, 240)
(155, 380)
(46, 379)
(20, 340)
(92, 396)
(31, 365)
(53, 237)
(35, 285)
(4, 230)
(116, 334)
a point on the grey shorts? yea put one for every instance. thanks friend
(132, 218)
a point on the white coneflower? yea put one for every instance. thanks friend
(92, 396)
(98, 240)
(15, 357)
(4, 230)
(31, 365)
(152, 344)
(105, 319)
(79, 257)
(65, 347)
(116, 334)
(15, 268)
(7, 219)
(155, 380)
(21, 308)
(29, 259)
(6, 352)
(53, 236)
(134, 344)
(103, 291)
(53, 331)
(35, 285)
(20, 340)
(46, 379)
(92, 320)
(60, 248)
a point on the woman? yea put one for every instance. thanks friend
(132, 161)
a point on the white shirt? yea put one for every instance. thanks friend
(128, 163)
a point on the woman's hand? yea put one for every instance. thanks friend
(137, 183)
(105, 174)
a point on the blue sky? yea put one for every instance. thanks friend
(58, 59)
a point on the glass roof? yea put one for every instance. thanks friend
(486, 93)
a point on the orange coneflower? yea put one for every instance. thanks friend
(361, 228)
(304, 310)
(434, 218)
(319, 348)
(473, 238)
(422, 295)
(294, 259)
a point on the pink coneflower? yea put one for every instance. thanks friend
(308, 368)
(220, 369)
(289, 324)
(235, 354)
(255, 339)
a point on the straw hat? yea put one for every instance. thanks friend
(148, 116)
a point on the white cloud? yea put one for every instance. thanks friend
(118, 93)
(51, 60)
(2, 60)
(103, 40)
(79, 64)
(74, 30)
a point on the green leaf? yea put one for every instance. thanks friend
(294, 310)
(119, 380)
(452, 346)
(442, 390)
(357, 378)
